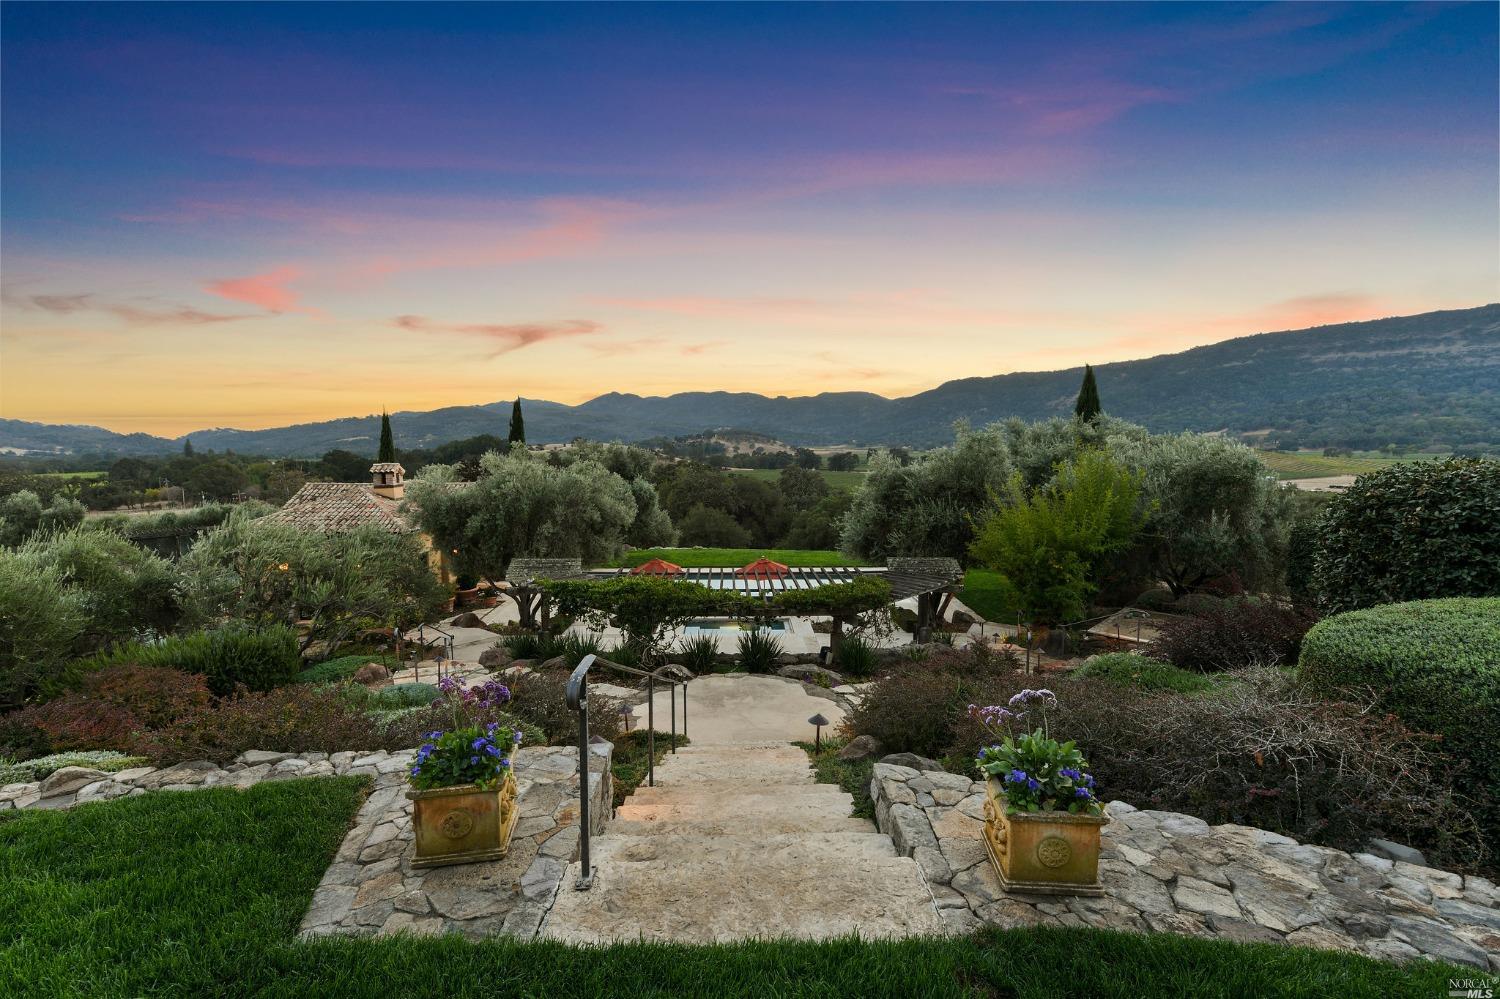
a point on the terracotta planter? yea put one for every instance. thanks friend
(1046, 853)
(463, 825)
(467, 598)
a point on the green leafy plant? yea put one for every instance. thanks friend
(758, 650)
(107, 760)
(856, 657)
(258, 658)
(1038, 773)
(1135, 670)
(699, 653)
(478, 755)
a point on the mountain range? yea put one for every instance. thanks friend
(1432, 378)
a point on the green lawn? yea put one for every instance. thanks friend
(1311, 465)
(72, 475)
(720, 558)
(983, 593)
(200, 893)
(836, 480)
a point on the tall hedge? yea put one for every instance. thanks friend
(260, 658)
(1435, 663)
(1414, 531)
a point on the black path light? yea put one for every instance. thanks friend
(818, 721)
(627, 715)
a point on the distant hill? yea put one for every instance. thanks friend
(1427, 379)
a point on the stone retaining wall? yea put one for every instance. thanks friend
(1168, 872)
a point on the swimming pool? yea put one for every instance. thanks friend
(730, 624)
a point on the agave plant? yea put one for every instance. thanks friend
(758, 650)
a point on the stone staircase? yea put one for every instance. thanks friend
(738, 841)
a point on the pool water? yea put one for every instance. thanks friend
(724, 624)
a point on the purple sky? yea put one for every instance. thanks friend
(251, 215)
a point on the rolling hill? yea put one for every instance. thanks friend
(1427, 379)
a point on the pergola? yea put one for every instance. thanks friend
(932, 581)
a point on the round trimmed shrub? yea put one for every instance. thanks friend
(1415, 531)
(1131, 669)
(1436, 663)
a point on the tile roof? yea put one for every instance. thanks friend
(338, 507)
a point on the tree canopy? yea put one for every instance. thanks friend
(517, 425)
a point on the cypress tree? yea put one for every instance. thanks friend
(387, 442)
(517, 425)
(187, 447)
(1087, 407)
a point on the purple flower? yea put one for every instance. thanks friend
(1081, 792)
(479, 743)
(416, 769)
(516, 737)
(1034, 784)
(1017, 777)
(447, 684)
(473, 761)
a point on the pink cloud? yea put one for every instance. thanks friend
(266, 291)
(134, 314)
(509, 336)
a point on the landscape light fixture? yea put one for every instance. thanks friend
(627, 713)
(817, 722)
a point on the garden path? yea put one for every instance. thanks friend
(736, 840)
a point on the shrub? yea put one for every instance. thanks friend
(537, 698)
(1158, 598)
(915, 710)
(1197, 603)
(699, 653)
(575, 648)
(1413, 531)
(1436, 663)
(1135, 670)
(12, 772)
(1262, 752)
(533, 647)
(473, 755)
(1234, 634)
(758, 650)
(293, 719)
(856, 657)
(68, 723)
(343, 668)
(258, 658)
(41, 619)
(401, 695)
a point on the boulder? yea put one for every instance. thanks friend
(862, 747)
(811, 674)
(372, 675)
(963, 618)
(677, 672)
(468, 620)
(69, 779)
(1396, 851)
(912, 761)
(556, 662)
(496, 657)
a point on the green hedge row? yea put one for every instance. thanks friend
(1435, 663)
(259, 658)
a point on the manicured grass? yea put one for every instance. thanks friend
(984, 595)
(848, 481)
(721, 558)
(853, 776)
(72, 475)
(200, 893)
(628, 764)
(1311, 465)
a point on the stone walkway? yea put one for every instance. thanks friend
(1174, 873)
(371, 887)
(737, 841)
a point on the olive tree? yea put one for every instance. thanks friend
(41, 621)
(927, 507)
(1212, 510)
(265, 572)
(523, 506)
(22, 515)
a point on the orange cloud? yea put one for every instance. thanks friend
(510, 336)
(266, 291)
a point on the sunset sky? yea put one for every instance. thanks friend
(242, 215)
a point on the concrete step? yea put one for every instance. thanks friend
(815, 891)
(713, 793)
(761, 825)
(729, 807)
(676, 843)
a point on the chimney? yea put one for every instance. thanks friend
(388, 479)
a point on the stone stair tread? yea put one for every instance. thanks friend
(711, 900)
(767, 826)
(715, 792)
(776, 848)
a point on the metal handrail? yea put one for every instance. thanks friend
(421, 642)
(576, 698)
